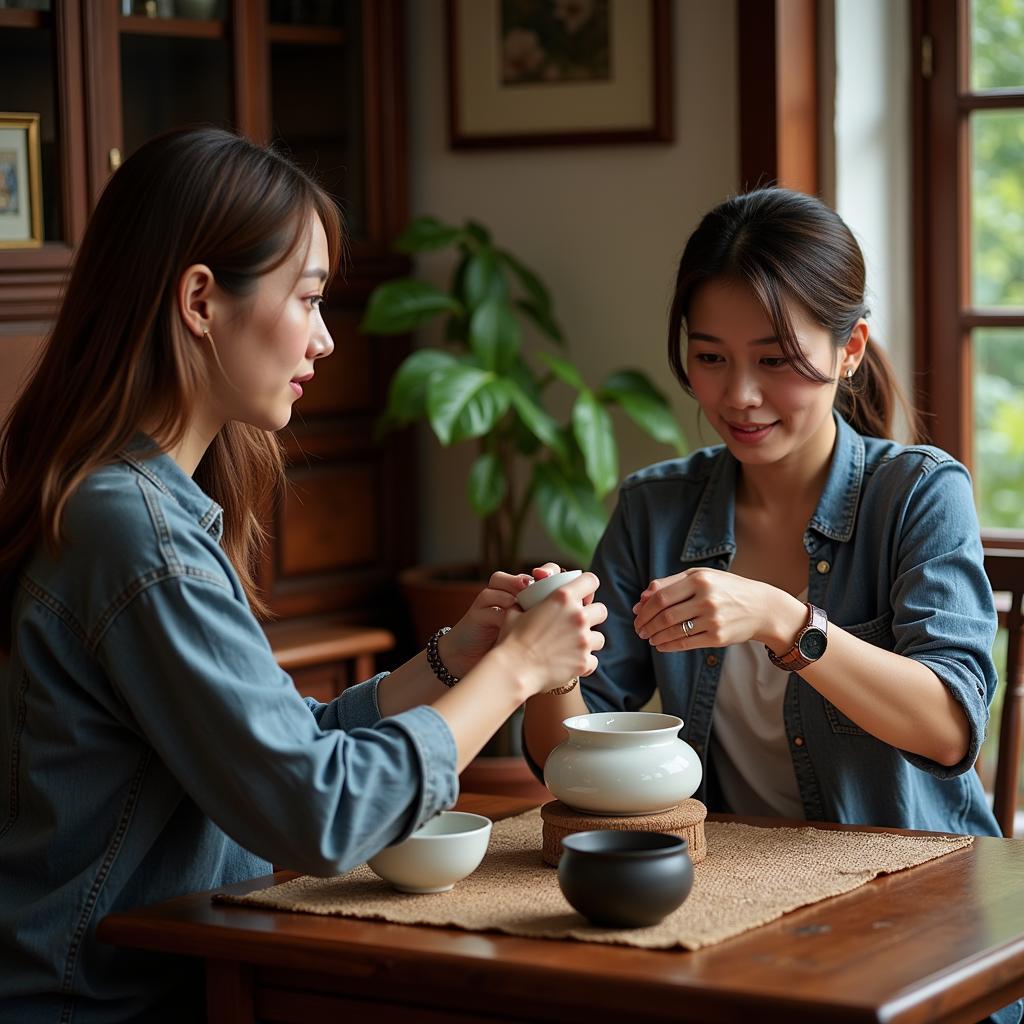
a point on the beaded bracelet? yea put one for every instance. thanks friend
(434, 658)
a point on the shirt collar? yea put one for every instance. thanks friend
(837, 508)
(143, 455)
(712, 532)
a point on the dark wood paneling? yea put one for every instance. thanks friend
(102, 74)
(328, 520)
(344, 381)
(942, 177)
(778, 86)
(17, 352)
(251, 85)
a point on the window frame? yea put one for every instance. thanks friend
(943, 316)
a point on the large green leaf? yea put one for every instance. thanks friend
(531, 284)
(407, 396)
(539, 423)
(464, 401)
(564, 371)
(398, 306)
(484, 279)
(633, 381)
(645, 405)
(544, 320)
(495, 335)
(525, 441)
(570, 512)
(478, 231)
(487, 485)
(427, 233)
(456, 328)
(595, 434)
(655, 418)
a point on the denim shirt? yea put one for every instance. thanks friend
(153, 747)
(893, 556)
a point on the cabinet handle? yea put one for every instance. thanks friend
(114, 158)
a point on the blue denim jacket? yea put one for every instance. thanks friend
(893, 556)
(153, 747)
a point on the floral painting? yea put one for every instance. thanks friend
(555, 41)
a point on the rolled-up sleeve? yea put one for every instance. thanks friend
(356, 706)
(318, 792)
(944, 613)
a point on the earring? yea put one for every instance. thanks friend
(849, 373)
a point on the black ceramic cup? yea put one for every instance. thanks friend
(623, 879)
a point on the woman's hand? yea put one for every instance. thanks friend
(477, 631)
(712, 608)
(556, 639)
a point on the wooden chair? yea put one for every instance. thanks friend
(1005, 568)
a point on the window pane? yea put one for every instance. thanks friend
(998, 357)
(997, 44)
(997, 208)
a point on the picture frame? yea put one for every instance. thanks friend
(558, 72)
(21, 191)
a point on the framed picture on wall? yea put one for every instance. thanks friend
(557, 72)
(21, 198)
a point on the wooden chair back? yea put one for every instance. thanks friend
(1005, 568)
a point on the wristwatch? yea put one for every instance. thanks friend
(809, 645)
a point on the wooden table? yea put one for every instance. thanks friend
(941, 942)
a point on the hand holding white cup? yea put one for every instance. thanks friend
(536, 592)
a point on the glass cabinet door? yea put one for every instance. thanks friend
(176, 67)
(316, 95)
(28, 85)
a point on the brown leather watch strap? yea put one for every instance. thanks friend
(793, 660)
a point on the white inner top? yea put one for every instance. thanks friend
(749, 746)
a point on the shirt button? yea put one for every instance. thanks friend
(823, 567)
(798, 741)
(711, 660)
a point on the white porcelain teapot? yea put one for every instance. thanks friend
(623, 763)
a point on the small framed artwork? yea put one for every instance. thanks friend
(558, 72)
(21, 192)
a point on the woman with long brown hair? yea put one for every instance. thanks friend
(153, 747)
(809, 596)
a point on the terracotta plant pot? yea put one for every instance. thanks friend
(438, 595)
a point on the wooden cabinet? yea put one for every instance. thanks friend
(324, 78)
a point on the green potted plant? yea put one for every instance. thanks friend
(479, 386)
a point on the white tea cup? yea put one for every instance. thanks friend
(539, 589)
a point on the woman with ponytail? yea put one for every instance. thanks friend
(809, 597)
(152, 745)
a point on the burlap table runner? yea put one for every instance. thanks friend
(751, 876)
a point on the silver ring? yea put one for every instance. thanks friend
(688, 626)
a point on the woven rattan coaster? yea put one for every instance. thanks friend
(685, 820)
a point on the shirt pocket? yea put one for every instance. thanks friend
(878, 632)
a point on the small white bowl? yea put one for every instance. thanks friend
(436, 856)
(539, 589)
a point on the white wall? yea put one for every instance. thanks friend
(603, 226)
(873, 160)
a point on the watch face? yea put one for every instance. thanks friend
(813, 644)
